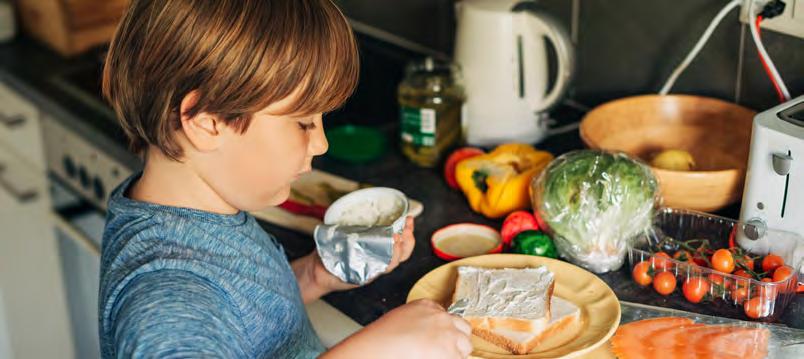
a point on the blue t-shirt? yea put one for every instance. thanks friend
(179, 282)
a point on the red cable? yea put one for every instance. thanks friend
(766, 67)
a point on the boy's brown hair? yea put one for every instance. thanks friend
(239, 55)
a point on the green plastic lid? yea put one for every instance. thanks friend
(355, 144)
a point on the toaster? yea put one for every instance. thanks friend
(773, 198)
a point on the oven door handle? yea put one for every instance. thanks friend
(12, 121)
(75, 234)
(21, 195)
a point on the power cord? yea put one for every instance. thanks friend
(698, 46)
(770, 10)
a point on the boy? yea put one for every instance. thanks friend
(224, 100)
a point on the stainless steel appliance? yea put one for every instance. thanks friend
(80, 180)
(85, 159)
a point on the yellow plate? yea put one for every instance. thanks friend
(600, 309)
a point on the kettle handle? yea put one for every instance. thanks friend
(565, 53)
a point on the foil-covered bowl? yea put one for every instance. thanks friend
(356, 242)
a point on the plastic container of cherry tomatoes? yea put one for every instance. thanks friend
(725, 293)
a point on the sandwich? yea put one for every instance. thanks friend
(512, 308)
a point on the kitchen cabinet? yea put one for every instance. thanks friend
(33, 310)
(34, 313)
(20, 128)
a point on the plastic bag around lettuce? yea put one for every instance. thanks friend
(594, 204)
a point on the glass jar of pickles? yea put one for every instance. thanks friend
(430, 100)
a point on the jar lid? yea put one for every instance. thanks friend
(463, 240)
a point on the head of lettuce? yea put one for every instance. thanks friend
(594, 203)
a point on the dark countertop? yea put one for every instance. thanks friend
(31, 69)
(443, 206)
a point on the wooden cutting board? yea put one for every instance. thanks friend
(318, 188)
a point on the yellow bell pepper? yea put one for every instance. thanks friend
(498, 183)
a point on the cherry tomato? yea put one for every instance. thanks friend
(756, 308)
(695, 289)
(641, 274)
(718, 284)
(731, 237)
(723, 261)
(517, 222)
(683, 256)
(661, 262)
(742, 273)
(692, 269)
(782, 273)
(716, 279)
(739, 293)
(664, 283)
(452, 161)
(771, 262)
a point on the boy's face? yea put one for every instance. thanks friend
(254, 170)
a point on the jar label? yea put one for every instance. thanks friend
(418, 126)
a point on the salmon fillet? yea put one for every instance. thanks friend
(670, 343)
(729, 341)
(671, 338)
(629, 340)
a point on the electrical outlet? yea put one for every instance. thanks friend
(791, 22)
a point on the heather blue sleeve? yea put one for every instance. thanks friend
(177, 314)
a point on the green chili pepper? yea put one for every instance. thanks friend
(535, 243)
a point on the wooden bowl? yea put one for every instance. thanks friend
(717, 134)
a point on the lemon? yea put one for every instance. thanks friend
(674, 160)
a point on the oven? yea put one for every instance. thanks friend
(80, 179)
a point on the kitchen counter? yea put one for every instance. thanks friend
(36, 73)
(443, 206)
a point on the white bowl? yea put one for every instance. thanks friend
(370, 207)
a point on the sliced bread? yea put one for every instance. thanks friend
(512, 299)
(564, 315)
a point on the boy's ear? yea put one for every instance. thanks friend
(203, 129)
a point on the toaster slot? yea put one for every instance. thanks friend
(794, 114)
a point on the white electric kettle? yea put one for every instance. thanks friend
(502, 52)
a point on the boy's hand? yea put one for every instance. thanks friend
(403, 245)
(419, 329)
(316, 281)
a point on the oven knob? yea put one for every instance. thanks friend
(98, 188)
(69, 166)
(83, 176)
